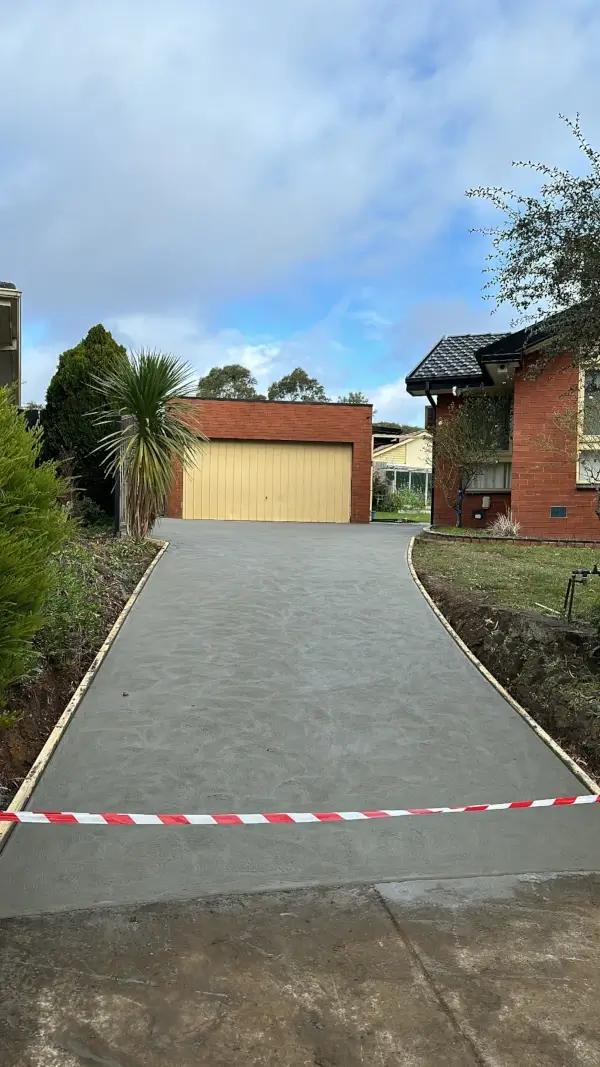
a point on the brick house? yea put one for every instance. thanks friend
(550, 490)
(278, 461)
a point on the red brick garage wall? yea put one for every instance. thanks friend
(545, 477)
(249, 420)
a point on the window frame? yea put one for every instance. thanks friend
(585, 442)
(504, 460)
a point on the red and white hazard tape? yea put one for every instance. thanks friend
(118, 819)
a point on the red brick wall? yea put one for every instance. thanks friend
(444, 514)
(246, 420)
(544, 477)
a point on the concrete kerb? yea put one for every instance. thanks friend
(574, 767)
(32, 778)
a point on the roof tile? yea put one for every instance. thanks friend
(454, 356)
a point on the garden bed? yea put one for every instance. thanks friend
(97, 574)
(488, 593)
(465, 533)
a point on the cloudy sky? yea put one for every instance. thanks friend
(274, 183)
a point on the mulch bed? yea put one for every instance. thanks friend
(550, 667)
(42, 700)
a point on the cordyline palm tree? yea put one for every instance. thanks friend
(141, 396)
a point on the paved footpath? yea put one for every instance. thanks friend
(284, 667)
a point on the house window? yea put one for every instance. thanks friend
(589, 467)
(588, 459)
(493, 476)
(418, 482)
(591, 403)
(402, 480)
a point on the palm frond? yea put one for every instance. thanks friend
(151, 425)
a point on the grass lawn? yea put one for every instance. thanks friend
(462, 532)
(491, 593)
(511, 575)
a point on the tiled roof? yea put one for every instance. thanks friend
(454, 357)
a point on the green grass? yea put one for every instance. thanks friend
(462, 531)
(511, 575)
(408, 516)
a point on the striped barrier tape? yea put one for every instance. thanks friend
(42, 818)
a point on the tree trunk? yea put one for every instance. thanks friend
(459, 510)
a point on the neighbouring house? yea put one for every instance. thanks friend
(405, 462)
(10, 337)
(547, 484)
(278, 461)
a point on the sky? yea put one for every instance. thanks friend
(275, 184)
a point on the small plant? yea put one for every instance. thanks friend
(504, 526)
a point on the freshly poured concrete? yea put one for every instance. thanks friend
(288, 667)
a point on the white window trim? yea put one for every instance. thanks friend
(585, 442)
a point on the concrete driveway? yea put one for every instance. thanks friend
(288, 667)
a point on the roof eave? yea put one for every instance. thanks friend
(422, 386)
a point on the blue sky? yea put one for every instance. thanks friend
(274, 184)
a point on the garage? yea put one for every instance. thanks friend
(269, 481)
(275, 461)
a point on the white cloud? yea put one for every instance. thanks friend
(38, 366)
(392, 403)
(174, 162)
(155, 168)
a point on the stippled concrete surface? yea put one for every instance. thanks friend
(499, 972)
(287, 667)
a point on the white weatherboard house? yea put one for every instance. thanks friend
(406, 462)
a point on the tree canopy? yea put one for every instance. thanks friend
(465, 440)
(232, 382)
(69, 433)
(545, 258)
(298, 386)
(354, 398)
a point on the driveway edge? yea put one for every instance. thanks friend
(43, 758)
(574, 767)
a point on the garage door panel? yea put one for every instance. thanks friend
(269, 481)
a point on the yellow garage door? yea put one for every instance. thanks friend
(269, 481)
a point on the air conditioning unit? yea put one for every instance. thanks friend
(429, 417)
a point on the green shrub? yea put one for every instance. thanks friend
(33, 525)
(90, 514)
(381, 492)
(69, 431)
(410, 501)
(73, 620)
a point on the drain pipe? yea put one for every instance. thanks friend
(433, 405)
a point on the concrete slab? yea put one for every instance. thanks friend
(514, 960)
(494, 973)
(274, 667)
